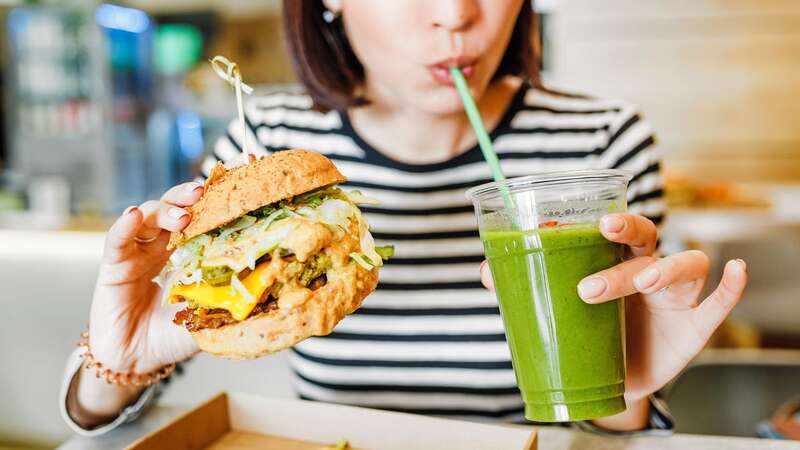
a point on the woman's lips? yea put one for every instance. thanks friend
(441, 71)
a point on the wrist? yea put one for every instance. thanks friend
(92, 402)
(137, 376)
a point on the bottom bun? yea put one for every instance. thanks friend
(279, 329)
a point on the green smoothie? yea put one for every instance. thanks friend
(567, 355)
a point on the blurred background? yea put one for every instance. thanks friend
(104, 105)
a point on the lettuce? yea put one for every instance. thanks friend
(362, 260)
(188, 255)
(267, 243)
(239, 244)
(265, 211)
(315, 198)
(356, 197)
(240, 224)
(385, 252)
(187, 278)
(238, 287)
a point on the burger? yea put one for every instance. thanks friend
(274, 253)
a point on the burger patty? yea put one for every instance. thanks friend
(196, 319)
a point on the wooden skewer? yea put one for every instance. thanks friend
(229, 71)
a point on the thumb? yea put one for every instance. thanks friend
(486, 276)
(714, 309)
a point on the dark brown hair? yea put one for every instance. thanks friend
(331, 73)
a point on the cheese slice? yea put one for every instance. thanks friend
(225, 297)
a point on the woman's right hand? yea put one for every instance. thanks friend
(130, 331)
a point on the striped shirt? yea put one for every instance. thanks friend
(430, 339)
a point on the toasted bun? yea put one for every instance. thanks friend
(230, 194)
(282, 328)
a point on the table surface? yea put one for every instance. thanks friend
(549, 438)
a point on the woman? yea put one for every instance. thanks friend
(380, 103)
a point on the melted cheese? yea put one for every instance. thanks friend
(225, 297)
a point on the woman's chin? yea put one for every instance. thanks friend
(440, 102)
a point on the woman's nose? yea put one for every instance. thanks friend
(454, 15)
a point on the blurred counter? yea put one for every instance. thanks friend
(549, 438)
(713, 226)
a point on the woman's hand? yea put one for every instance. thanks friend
(666, 324)
(129, 330)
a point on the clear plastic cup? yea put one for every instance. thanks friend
(541, 238)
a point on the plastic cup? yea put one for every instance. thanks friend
(568, 356)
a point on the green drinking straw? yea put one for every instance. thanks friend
(484, 141)
(477, 123)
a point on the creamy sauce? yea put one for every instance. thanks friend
(293, 295)
(307, 239)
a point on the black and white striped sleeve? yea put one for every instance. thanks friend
(632, 147)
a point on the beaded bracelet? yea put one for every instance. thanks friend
(121, 378)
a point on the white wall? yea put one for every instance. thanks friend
(719, 79)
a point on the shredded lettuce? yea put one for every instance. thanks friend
(318, 196)
(192, 277)
(218, 255)
(182, 265)
(358, 198)
(266, 243)
(369, 262)
(265, 211)
(188, 255)
(362, 260)
(242, 223)
(238, 287)
(313, 201)
(336, 212)
(258, 230)
(165, 280)
(368, 247)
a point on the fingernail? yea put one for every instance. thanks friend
(646, 278)
(128, 210)
(194, 187)
(613, 224)
(742, 264)
(591, 288)
(176, 213)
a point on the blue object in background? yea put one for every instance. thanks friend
(175, 144)
(175, 130)
(129, 37)
(130, 41)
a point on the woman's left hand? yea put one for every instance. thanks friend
(666, 323)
